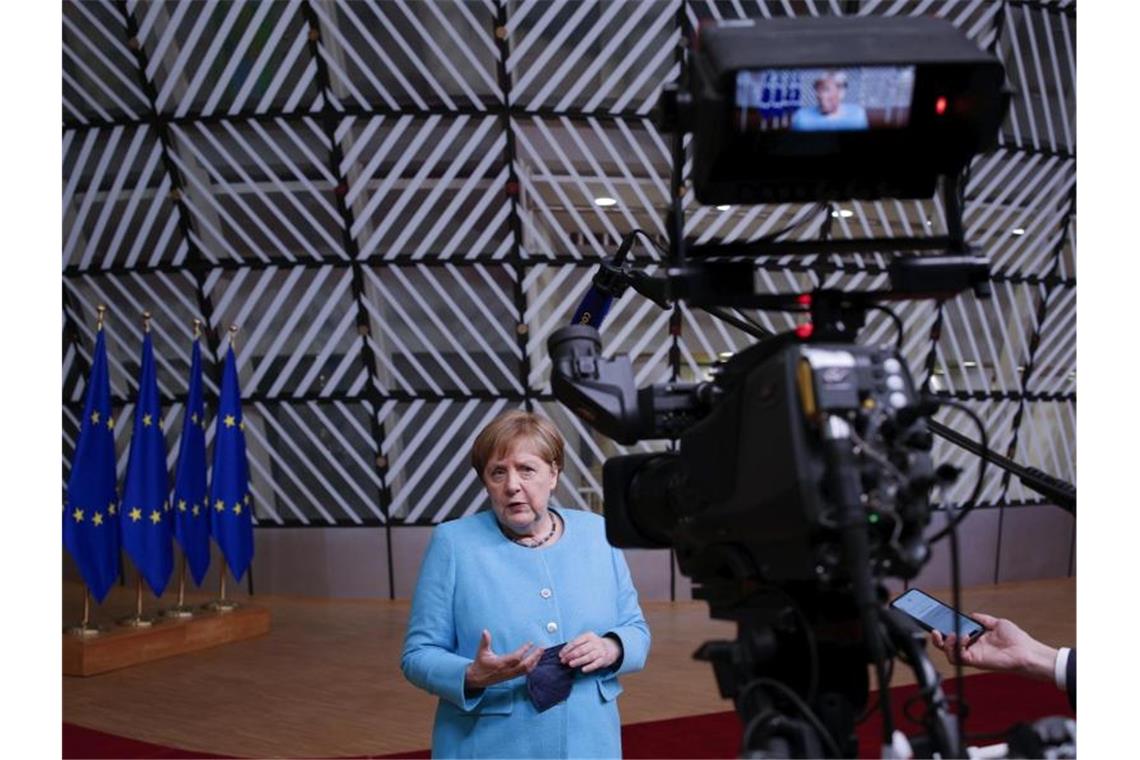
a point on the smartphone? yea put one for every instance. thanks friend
(933, 615)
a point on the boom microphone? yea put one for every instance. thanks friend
(609, 283)
(593, 308)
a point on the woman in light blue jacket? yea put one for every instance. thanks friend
(539, 584)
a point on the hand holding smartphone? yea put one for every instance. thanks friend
(934, 615)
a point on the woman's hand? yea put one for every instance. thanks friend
(590, 652)
(490, 668)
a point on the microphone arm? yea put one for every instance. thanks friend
(1060, 492)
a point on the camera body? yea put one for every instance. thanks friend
(748, 494)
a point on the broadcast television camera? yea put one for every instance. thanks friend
(801, 473)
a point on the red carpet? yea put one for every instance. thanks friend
(996, 702)
(80, 742)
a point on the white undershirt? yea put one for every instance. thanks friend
(1061, 667)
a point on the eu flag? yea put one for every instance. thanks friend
(90, 515)
(146, 512)
(230, 504)
(191, 512)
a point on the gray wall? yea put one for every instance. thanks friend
(1035, 542)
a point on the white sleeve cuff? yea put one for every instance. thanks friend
(1060, 667)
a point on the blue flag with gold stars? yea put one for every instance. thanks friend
(90, 515)
(231, 507)
(191, 513)
(146, 511)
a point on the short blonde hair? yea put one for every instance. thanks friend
(503, 432)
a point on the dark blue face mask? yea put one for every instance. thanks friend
(549, 683)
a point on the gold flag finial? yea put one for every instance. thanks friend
(233, 337)
(197, 327)
(102, 311)
(146, 321)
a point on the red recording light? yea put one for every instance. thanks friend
(804, 331)
(940, 105)
(804, 299)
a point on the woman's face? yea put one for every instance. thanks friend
(520, 483)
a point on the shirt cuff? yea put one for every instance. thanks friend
(1060, 666)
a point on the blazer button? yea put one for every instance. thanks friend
(545, 593)
(551, 627)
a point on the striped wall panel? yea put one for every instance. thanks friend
(297, 330)
(444, 329)
(1019, 205)
(1054, 368)
(590, 56)
(395, 203)
(1038, 46)
(985, 343)
(100, 73)
(118, 210)
(426, 187)
(313, 463)
(563, 165)
(258, 192)
(409, 55)
(226, 58)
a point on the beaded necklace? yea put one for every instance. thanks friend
(550, 535)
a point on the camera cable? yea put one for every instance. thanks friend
(951, 529)
(795, 699)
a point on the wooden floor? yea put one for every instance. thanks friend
(326, 681)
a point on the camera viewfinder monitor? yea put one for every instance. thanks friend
(835, 108)
(852, 98)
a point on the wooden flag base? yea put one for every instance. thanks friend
(83, 631)
(124, 647)
(136, 621)
(181, 612)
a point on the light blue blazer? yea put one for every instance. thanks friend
(473, 578)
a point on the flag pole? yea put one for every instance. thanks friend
(221, 604)
(85, 629)
(181, 610)
(137, 620)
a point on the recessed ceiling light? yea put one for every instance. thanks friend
(929, 223)
(1017, 231)
(969, 364)
(844, 213)
(605, 201)
(723, 208)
